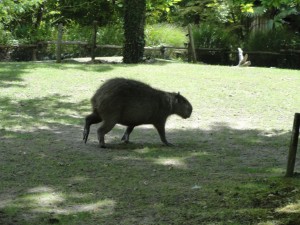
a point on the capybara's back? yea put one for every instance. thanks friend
(132, 103)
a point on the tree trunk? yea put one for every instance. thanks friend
(134, 23)
(192, 49)
(58, 44)
(39, 17)
(293, 146)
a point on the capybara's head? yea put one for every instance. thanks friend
(182, 106)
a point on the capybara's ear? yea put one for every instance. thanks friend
(177, 97)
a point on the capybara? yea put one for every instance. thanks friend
(133, 103)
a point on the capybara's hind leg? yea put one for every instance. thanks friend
(128, 131)
(89, 120)
(104, 128)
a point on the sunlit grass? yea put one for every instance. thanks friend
(47, 200)
(290, 208)
(171, 162)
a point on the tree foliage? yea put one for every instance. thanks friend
(85, 12)
(11, 10)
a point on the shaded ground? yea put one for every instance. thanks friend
(223, 170)
(61, 176)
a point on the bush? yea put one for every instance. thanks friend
(76, 32)
(25, 34)
(111, 35)
(213, 36)
(5, 36)
(273, 40)
(165, 34)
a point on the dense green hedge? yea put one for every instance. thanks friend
(214, 36)
(273, 40)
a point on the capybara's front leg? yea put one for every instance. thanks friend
(160, 127)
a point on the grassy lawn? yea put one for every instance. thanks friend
(227, 166)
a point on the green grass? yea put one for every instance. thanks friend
(227, 165)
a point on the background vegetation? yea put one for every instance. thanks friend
(224, 24)
(227, 23)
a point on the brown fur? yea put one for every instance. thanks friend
(133, 103)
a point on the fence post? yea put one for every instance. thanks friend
(94, 40)
(58, 44)
(293, 146)
(34, 53)
(191, 48)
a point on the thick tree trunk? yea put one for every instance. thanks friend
(134, 22)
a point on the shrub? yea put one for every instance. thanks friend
(273, 40)
(213, 36)
(165, 34)
(21, 35)
(111, 35)
(25, 34)
(5, 36)
(76, 32)
(44, 32)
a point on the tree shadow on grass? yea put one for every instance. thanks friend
(78, 66)
(219, 174)
(41, 111)
(11, 73)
